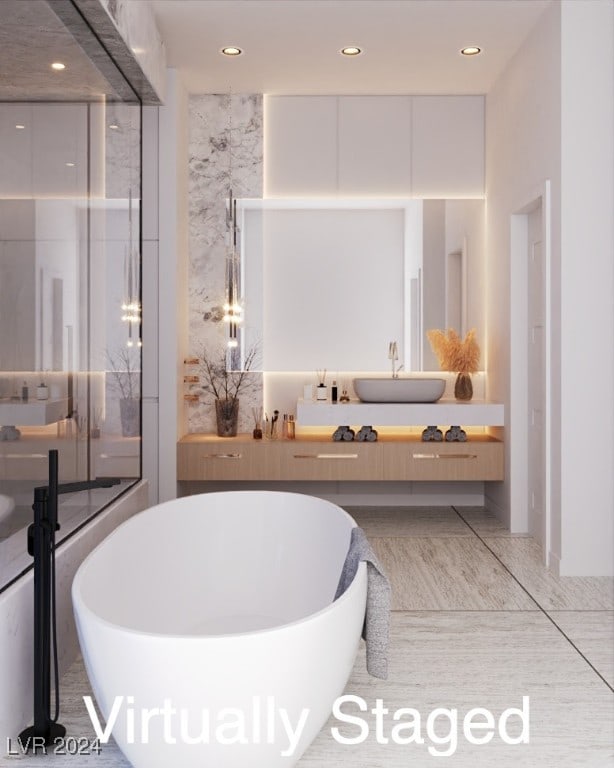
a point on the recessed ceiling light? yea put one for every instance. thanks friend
(231, 50)
(114, 127)
(20, 127)
(70, 165)
(471, 50)
(57, 65)
(351, 50)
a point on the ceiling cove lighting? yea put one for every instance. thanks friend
(231, 50)
(351, 50)
(471, 50)
(58, 66)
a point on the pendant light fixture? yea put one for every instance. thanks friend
(233, 309)
(131, 305)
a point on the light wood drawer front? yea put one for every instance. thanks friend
(235, 461)
(331, 461)
(444, 461)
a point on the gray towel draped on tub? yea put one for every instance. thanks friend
(377, 618)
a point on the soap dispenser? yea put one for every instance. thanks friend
(333, 392)
(42, 391)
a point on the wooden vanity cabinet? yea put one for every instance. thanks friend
(208, 457)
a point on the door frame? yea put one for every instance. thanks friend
(519, 351)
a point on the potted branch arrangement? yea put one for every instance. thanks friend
(460, 356)
(125, 379)
(225, 385)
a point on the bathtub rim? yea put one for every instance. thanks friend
(80, 606)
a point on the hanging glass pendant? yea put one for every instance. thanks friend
(233, 310)
(131, 304)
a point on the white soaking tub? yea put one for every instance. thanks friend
(209, 631)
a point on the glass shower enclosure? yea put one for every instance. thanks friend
(70, 267)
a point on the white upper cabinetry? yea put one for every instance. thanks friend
(447, 146)
(43, 150)
(300, 146)
(391, 146)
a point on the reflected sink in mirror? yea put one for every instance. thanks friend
(401, 390)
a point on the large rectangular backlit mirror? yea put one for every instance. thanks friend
(328, 283)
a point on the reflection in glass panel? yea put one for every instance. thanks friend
(70, 341)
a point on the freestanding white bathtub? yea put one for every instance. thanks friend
(209, 631)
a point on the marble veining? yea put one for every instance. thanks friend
(122, 147)
(129, 32)
(225, 148)
(484, 523)
(31, 35)
(592, 632)
(523, 558)
(452, 660)
(420, 521)
(448, 574)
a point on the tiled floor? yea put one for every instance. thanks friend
(477, 622)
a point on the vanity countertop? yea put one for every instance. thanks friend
(32, 413)
(446, 411)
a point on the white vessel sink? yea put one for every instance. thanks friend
(402, 390)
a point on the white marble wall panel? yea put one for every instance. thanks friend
(216, 163)
(122, 147)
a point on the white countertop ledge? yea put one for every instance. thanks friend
(447, 411)
(32, 413)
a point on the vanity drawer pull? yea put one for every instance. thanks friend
(325, 455)
(444, 456)
(222, 456)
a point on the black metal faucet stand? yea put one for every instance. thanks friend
(41, 545)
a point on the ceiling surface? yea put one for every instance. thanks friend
(292, 46)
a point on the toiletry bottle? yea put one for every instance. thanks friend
(24, 392)
(333, 392)
(291, 426)
(42, 392)
(321, 391)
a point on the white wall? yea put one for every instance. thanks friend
(587, 288)
(551, 121)
(168, 293)
(522, 150)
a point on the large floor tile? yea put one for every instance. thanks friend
(491, 660)
(441, 659)
(483, 522)
(592, 632)
(409, 521)
(523, 558)
(447, 574)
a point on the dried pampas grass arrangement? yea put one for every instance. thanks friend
(455, 354)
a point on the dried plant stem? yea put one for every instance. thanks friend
(454, 353)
